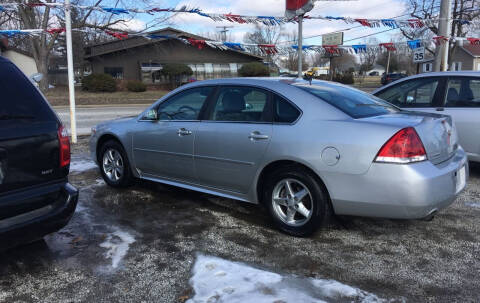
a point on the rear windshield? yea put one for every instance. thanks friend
(354, 103)
(19, 99)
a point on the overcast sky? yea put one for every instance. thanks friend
(356, 9)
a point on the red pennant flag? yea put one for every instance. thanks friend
(200, 44)
(364, 22)
(269, 49)
(440, 40)
(474, 41)
(56, 30)
(389, 46)
(120, 36)
(235, 18)
(415, 23)
(35, 4)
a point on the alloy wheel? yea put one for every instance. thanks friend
(292, 202)
(113, 165)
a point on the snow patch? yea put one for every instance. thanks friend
(78, 166)
(473, 204)
(218, 280)
(117, 244)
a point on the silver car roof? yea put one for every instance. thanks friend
(432, 74)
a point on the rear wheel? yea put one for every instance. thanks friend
(114, 165)
(295, 200)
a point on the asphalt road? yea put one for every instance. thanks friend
(88, 116)
(155, 243)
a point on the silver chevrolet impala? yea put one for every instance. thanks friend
(299, 148)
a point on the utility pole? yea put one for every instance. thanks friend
(71, 86)
(224, 32)
(441, 53)
(388, 62)
(300, 45)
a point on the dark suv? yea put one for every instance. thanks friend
(35, 196)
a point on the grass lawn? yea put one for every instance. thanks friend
(59, 97)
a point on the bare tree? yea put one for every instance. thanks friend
(290, 61)
(368, 59)
(43, 45)
(428, 9)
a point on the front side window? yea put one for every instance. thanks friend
(354, 103)
(414, 93)
(284, 111)
(240, 104)
(463, 92)
(185, 106)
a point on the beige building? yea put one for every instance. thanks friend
(20, 58)
(465, 57)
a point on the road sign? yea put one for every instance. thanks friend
(419, 55)
(296, 8)
(332, 39)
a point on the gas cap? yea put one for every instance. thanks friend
(330, 156)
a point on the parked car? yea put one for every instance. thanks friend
(452, 93)
(391, 77)
(298, 148)
(35, 196)
(374, 73)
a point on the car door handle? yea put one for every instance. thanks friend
(257, 136)
(439, 109)
(184, 132)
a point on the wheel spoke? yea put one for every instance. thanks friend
(288, 188)
(290, 215)
(110, 156)
(281, 201)
(303, 210)
(301, 194)
(108, 167)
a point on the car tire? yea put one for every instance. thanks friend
(114, 165)
(308, 211)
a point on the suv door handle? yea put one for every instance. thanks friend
(256, 135)
(439, 109)
(184, 132)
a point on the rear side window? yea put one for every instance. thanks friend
(19, 99)
(463, 92)
(284, 111)
(354, 103)
(414, 93)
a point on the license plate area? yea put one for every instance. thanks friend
(460, 176)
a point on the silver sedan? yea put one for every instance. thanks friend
(304, 150)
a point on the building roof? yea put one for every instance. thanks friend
(473, 50)
(136, 41)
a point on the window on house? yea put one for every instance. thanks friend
(115, 72)
(428, 67)
(457, 66)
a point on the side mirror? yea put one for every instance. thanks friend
(151, 115)
(37, 77)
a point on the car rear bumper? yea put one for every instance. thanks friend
(33, 225)
(411, 191)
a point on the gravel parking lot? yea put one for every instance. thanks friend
(155, 243)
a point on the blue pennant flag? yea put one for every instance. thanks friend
(334, 18)
(413, 44)
(463, 22)
(235, 46)
(360, 48)
(115, 10)
(389, 22)
(154, 36)
(268, 20)
(304, 47)
(13, 32)
(2, 9)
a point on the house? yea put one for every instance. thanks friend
(139, 58)
(24, 60)
(466, 57)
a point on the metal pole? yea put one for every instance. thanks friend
(388, 63)
(446, 47)
(300, 45)
(71, 86)
(441, 52)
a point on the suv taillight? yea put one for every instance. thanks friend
(64, 146)
(404, 147)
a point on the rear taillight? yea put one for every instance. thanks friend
(404, 147)
(64, 146)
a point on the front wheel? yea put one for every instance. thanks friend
(114, 165)
(296, 201)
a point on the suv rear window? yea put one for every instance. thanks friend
(19, 99)
(354, 103)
